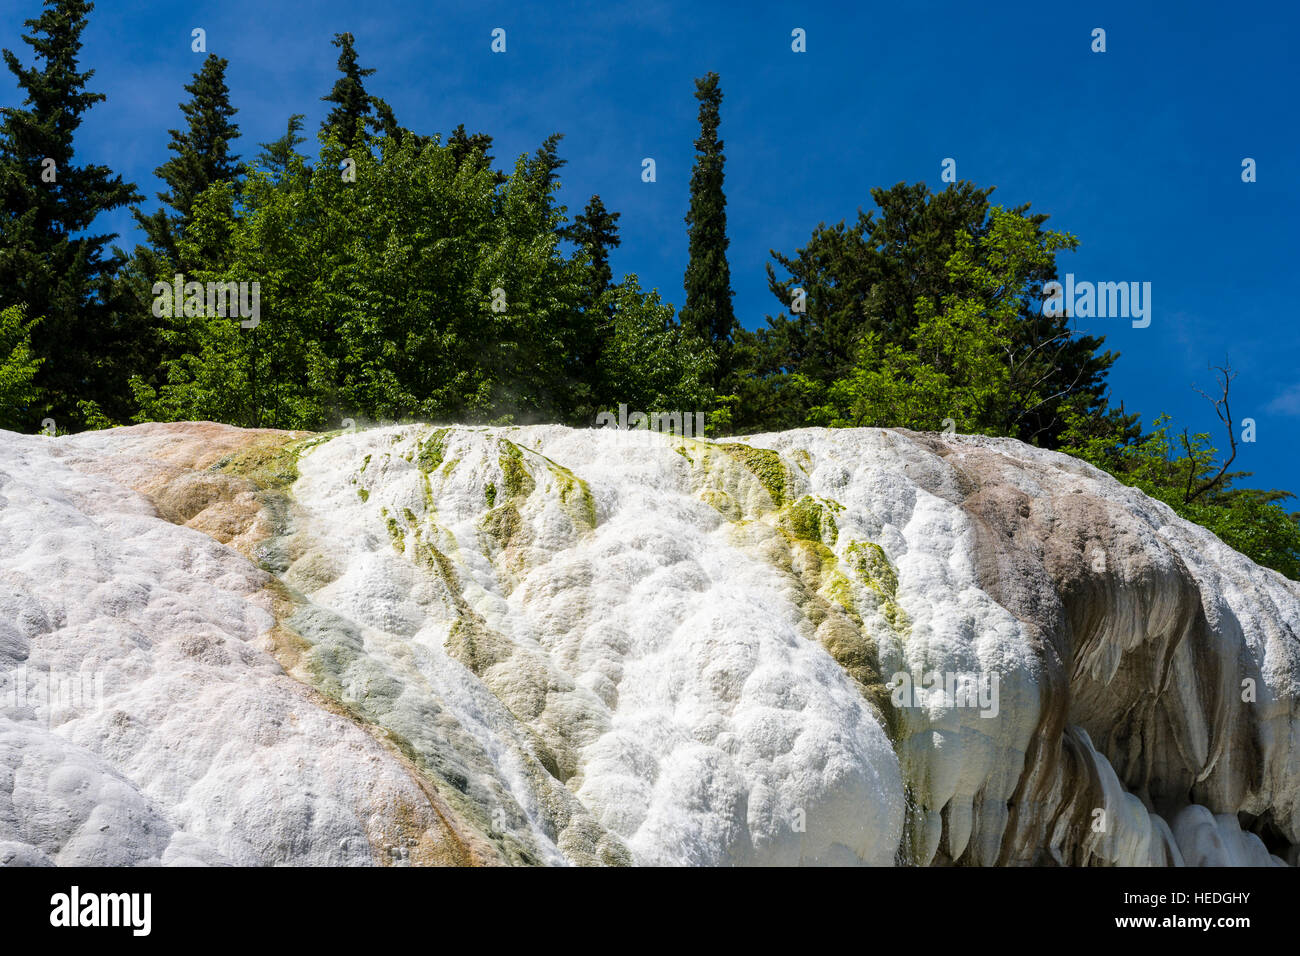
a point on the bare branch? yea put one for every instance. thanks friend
(1226, 375)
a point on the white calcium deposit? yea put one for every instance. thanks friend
(549, 645)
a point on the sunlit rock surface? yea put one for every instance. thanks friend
(412, 645)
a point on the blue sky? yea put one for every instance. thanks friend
(1137, 151)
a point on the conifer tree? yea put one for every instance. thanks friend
(545, 163)
(386, 121)
(50, 261)
(708, 311)
(463, 145)
(595, 229)
(277, 155)
(203, 157)
(351, 102)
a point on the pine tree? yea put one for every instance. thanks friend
(464, 145)
(708, 311)
(868, 277)
(49, 260)
(595, 229)
(202, 158)
(351, 102)
(277, 155)
(385, 122)
(545, 163)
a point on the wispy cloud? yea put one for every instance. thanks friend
(1287, 402)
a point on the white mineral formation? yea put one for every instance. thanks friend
(547, 645)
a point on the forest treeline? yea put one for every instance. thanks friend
(405, 275)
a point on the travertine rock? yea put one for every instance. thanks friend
(547, 645)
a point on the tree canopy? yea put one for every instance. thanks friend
(399, 275)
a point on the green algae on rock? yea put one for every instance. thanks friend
(765, 465)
